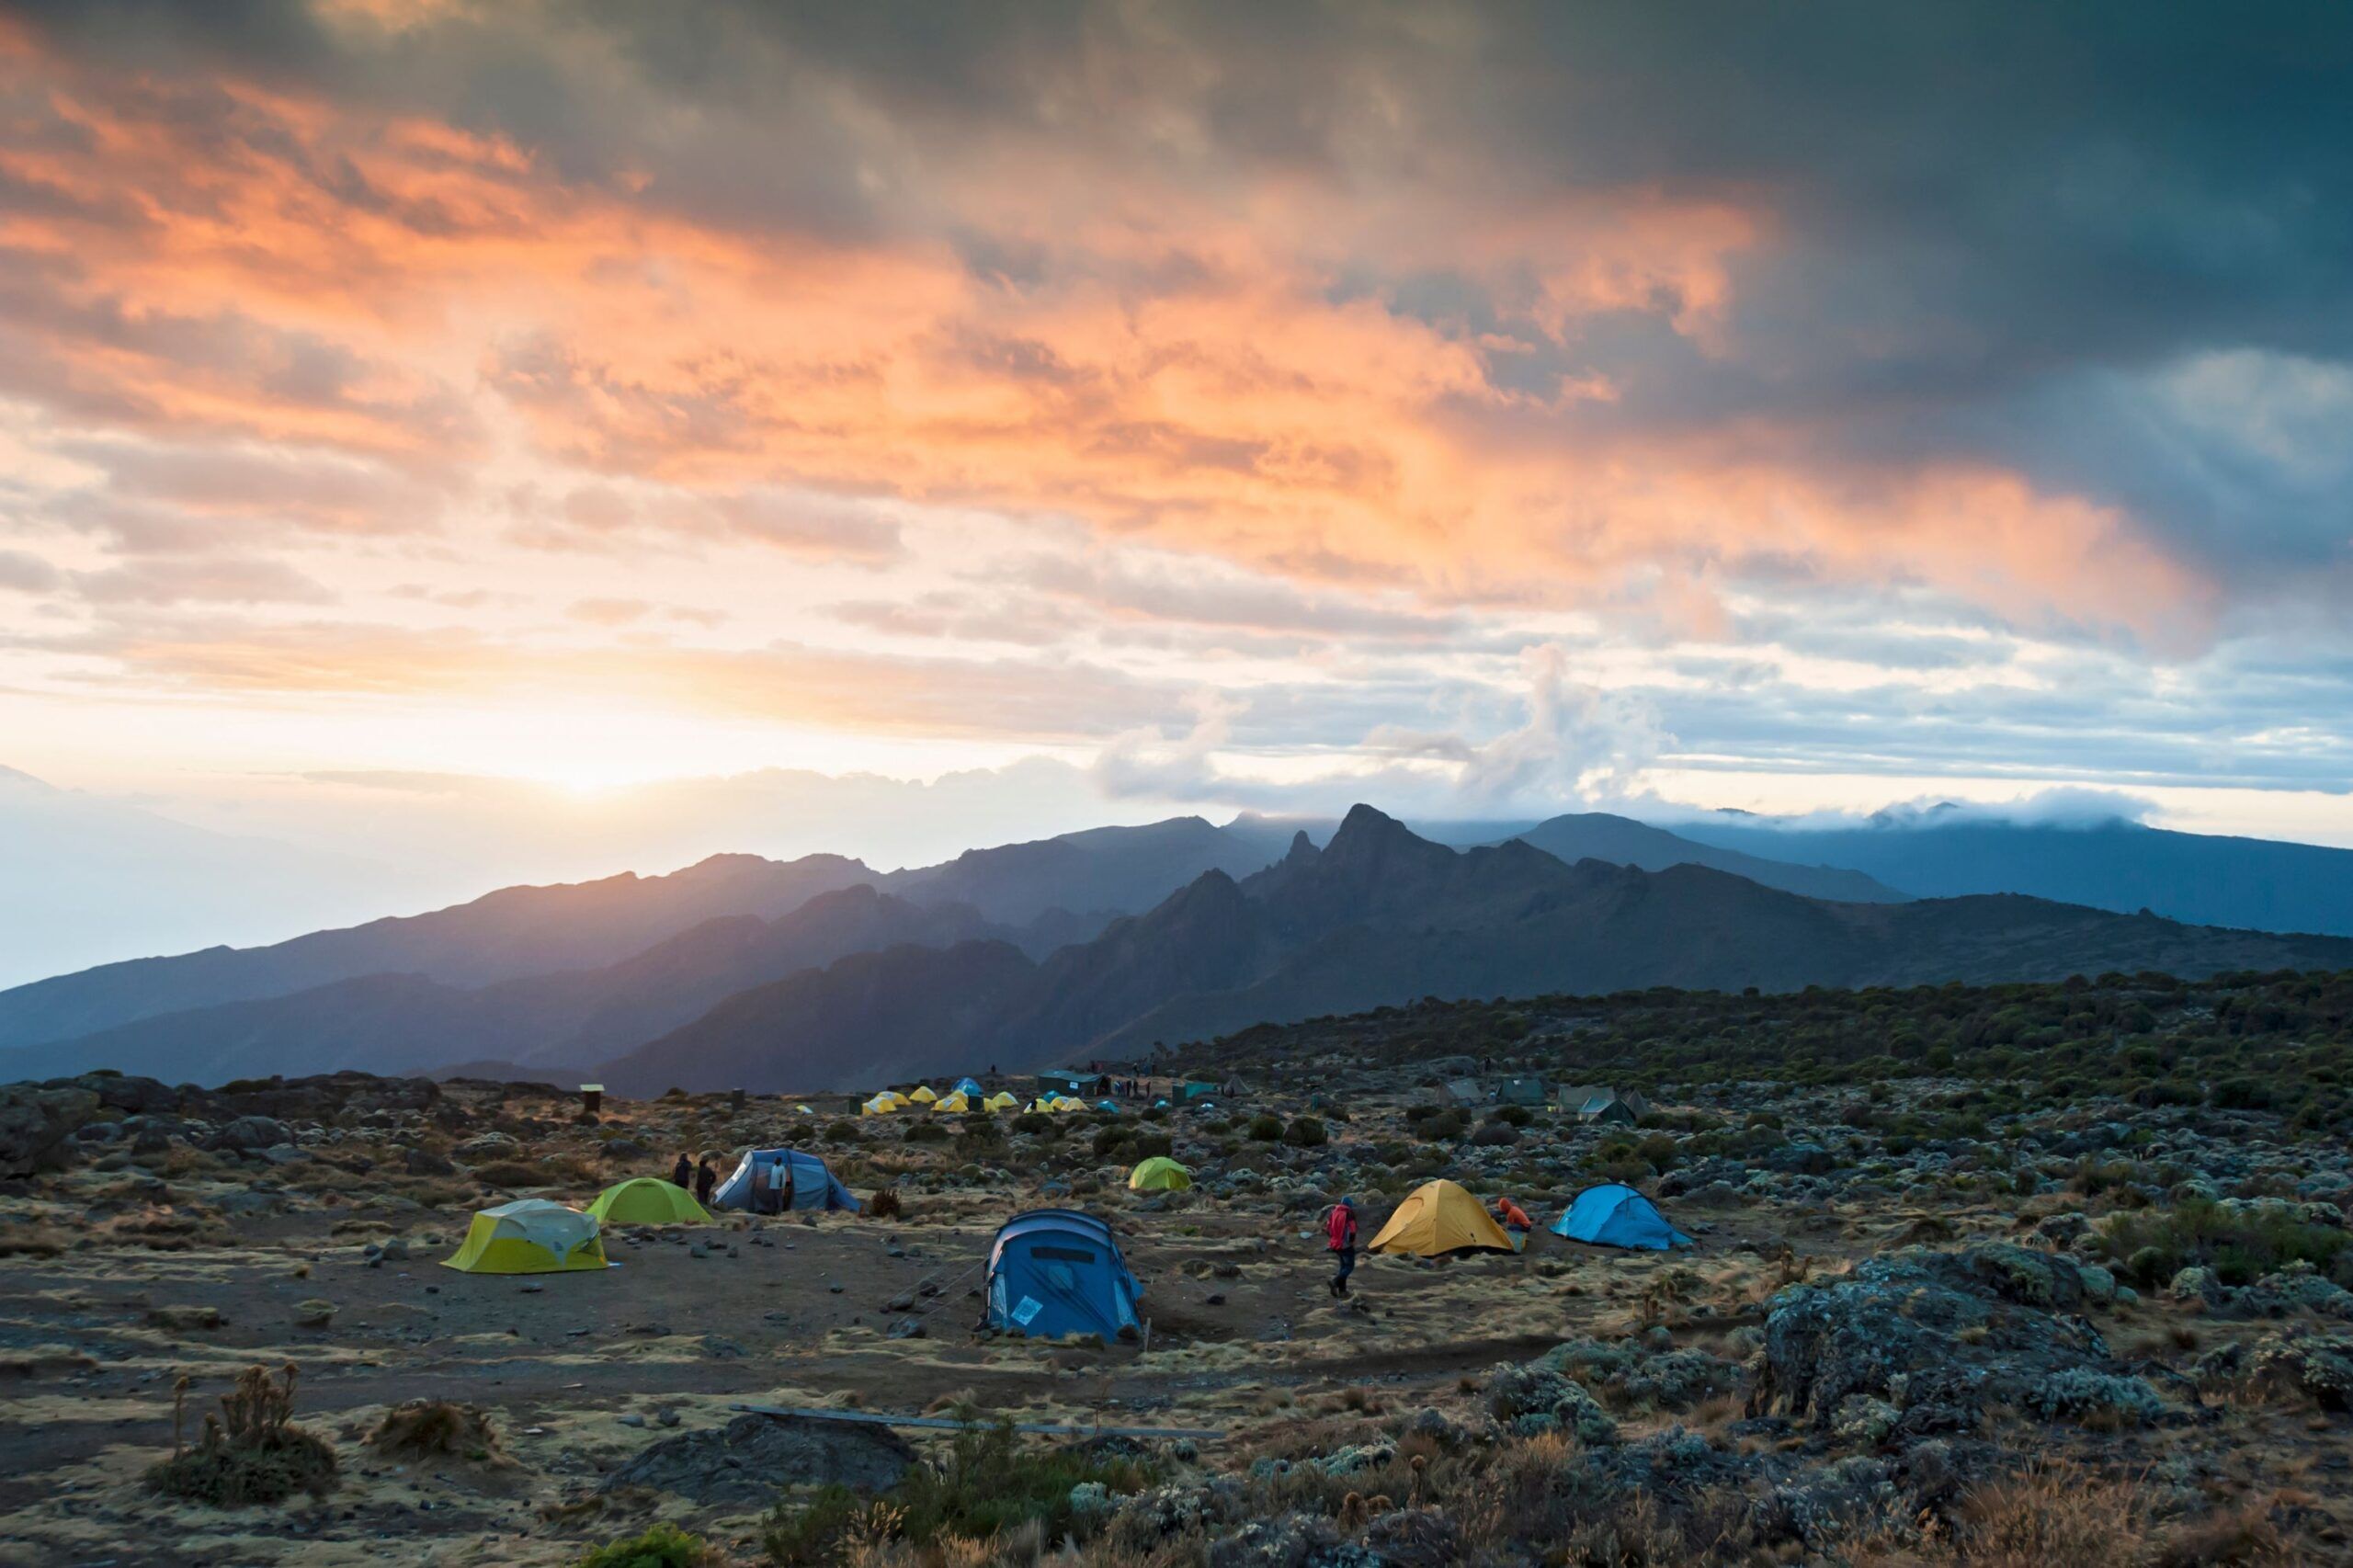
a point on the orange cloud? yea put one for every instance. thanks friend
(1208, 369)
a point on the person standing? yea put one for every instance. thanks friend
(1340, 1237)
(706, 1177)
(784, 1192)
(683, 1171)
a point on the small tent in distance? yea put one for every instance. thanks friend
(1439, 1219)
(922, 1095)
(1159, 1173)
(759, 1180)
(530, 1235)
(953, 1104)
(1000, 1100)
(648, 1201)
(1615, 1216)
(968, 1087)
(1053, 1272)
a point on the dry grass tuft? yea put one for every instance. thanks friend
(436, 1429)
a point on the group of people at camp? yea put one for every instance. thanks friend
(702, 1176)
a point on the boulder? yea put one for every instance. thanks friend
(1937, 1334)
(251, 1134)
(37, 1125)
(744, 1463)
(425, 1162)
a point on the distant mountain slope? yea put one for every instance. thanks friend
(2207, 881)
(1381, 915)
(405, 1023)
(1118, 869)
(505, 935)
(1621, 841)
(870, 1019)
(1052, 892)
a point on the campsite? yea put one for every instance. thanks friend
(1156, 1270)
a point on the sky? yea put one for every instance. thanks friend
(446, 429)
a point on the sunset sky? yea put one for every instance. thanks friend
(1479, 409)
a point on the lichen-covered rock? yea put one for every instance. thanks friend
(1830, 1503)
(1150, 1517)
(1290, 1541)
(2319, 1367)
(1535, 1399)
(1667, 1380)
(1860, 1418)
(1414, 1538)
(745, 1461)
(1939, 1335)
(251, 1134)
(2084, 1395)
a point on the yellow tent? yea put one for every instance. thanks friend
(529, 1235)
(803, 1110)
(1159, 1173)
(954, 1102)
(648, 1201)
(880, 1104)
(1437, 1218)
(1065, 1102)
(897, 1099)
(999, 1101)
(922, 1094)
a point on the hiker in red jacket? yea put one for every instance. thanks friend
(1340, 1235)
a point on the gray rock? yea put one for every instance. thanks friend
(37, 1126)
(744, 1463)
(424, 1161)
(1939, 1335)
(251, 1134)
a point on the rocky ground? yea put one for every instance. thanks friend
(2064, 1332)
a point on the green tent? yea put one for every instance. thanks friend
(1159, 1173)
(648, 1201)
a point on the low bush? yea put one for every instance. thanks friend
(250, 1452)
(663, 1546)
(1265, 1128)
(2152, 1245)
(1305, 1133)
(988, 1483)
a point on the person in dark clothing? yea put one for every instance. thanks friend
(683, 1171)
(784, 1191)
(1340, 1236)
(706, 1177)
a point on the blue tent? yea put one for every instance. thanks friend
(1615, 1216)
(972, 1091)
(1056, 1271)
(813, 1187)
(1111, 1106)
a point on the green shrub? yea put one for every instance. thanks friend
(1444, 1127)
(251, 1452)
(2153, 1244)
(663, 1546)
(1306, 1132)
(1518, 1115)
(925, 1131)
(1037, 1124)
(1266, 1127)
(844, 1132)
(989, 1481)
